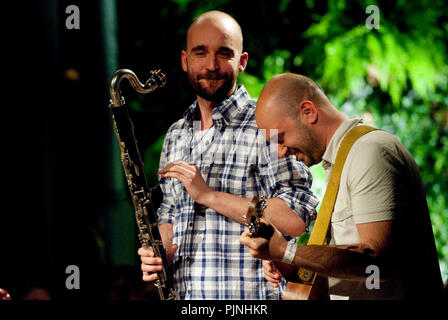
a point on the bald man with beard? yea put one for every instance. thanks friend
(213, 162)
(380, 217)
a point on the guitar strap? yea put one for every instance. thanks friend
(319, 232)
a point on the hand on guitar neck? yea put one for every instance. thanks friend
(262, 231)
(265, 242)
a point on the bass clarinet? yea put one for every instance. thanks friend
(148, 231)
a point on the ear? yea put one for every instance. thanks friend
(243, 61)
(282, 150)
(308, 112)
(183, 58)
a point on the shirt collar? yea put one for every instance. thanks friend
(224, 112)
(329, 156)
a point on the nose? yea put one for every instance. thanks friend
(282, 150)
(212, 63)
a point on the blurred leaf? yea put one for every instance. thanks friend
(396, 75)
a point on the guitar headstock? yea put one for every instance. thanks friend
(252, 219)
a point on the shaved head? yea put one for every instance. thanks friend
(220, 20)
(283, 93)
(294, 109)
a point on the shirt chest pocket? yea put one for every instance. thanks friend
(232, 181)
(177, 190)
(343, 227)
(341, 212)
(241, 180)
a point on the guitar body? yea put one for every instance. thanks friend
(317, 289)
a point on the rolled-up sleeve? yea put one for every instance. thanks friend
(167, 207)
(290, 180)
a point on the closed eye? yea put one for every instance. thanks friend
(226, 52)
(199, 50)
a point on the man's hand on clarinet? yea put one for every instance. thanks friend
(150, 264)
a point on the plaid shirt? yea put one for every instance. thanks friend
(235, 158)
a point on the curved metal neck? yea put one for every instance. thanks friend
(156, 80)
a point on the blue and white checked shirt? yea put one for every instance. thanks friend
(235, 158)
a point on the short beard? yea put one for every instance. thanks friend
(219, 94)
(311, 145)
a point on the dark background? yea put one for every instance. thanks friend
(62, 177)
(64, 200)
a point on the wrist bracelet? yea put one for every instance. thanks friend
(290, 253)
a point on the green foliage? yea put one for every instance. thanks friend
(395, 76)
(198, 7)
(273, 64)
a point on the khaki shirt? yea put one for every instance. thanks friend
(379, 182)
